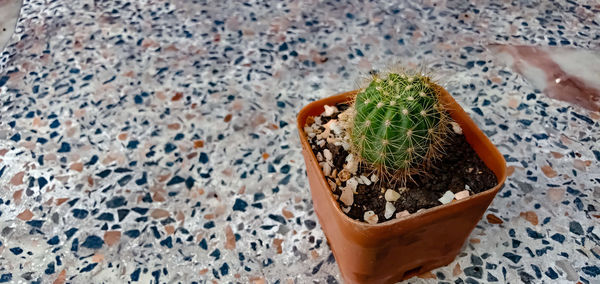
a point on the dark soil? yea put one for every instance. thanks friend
(459, 166)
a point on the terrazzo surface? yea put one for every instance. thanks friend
(154, 141)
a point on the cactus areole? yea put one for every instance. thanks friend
(399, 123)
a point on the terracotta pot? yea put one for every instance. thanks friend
(400, 248)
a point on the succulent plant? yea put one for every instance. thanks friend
(399, 123)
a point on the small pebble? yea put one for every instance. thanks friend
(389, 210)
(347, 196)
(352, 183)
(374, 178)
(318, 121)
(461, 194)
(350, 157)
(371, 218)
(402, 214)
(335, 127)
(351, 166)
(344, 175)
(345, 116)
(325, 134)
(345, 145)
(447, 197)
(365, 180)
(330, 110)
(391, 195)
(467, 187)
(326, 168)
(456, 128)
(319, 157)
(332, 185)
(327, 154)
(327, 125)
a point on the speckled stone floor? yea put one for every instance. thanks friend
(154, 142)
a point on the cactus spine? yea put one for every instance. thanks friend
(399, 123)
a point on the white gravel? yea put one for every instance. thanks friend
(347, 196)
(461, 194)
(456, 128)
(447, 197)
(391, 195)
(370, 217)
(330, 110)
(389, 210)
(328, 155)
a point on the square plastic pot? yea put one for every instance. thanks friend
(400, 248)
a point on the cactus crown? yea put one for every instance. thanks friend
(399, 123)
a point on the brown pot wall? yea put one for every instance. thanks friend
(400, 248)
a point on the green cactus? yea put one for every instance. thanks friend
(399, 123)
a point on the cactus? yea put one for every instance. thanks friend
(399, 123)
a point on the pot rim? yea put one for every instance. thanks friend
(307, 111)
